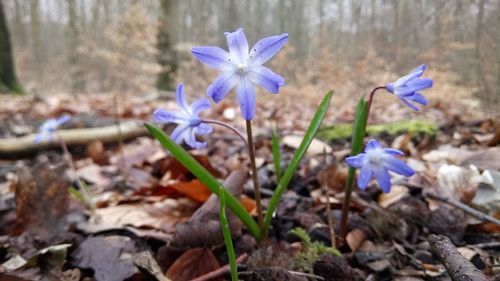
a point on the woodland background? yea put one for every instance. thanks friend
(96, 46)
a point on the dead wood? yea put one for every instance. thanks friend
(458, 267)
(109, 134)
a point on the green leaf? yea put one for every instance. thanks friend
(297, 157)
(359, 128)
(358, 136)
(205, 177)
(224, 224)
(275, 146)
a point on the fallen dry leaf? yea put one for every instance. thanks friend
(355, 239)
(162, 216)
(397, 193)
(42, 200)
(317, 147)
(109, 257)
(193, 189)
(193, 263)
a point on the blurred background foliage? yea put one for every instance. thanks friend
(131, 46)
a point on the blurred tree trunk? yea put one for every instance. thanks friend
(8, 80)
(18, 29)
(166, 55)
(481, 78)
(75, 63)
(36, 38)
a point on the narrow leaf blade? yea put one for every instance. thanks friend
(297, 157)
(204, 176)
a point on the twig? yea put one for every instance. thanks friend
(309, 275)
(16, 146)
(458, 267)
(488, 245)
(329, 216)
(306, 275)
(220, 271)
(471, 211)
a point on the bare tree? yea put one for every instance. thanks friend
(8, 80)
(73, 42)
(166, 55)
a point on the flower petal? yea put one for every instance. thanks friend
(372, 144)
(238, 45)
(204, 129)
(222, 85)
(409, 104)
(393, 151)
(413, 86)
(163, 116)
(418, 98)
(190, 140)
(246, 98)
(199, 106)
(181, 99)
(180, 133)
(383, 179)
(410, 76)
(40, 137)
(266, 48)
(355, 161)
(266, 78)
(214, 57)
(62, 119)
(398, 166)
(364, 177)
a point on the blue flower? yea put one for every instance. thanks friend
(407, 87)
(376, 161)
(47, 129)
(187, 118)
(242, 68)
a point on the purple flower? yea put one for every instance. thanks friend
(376, 161)
(47, 129)
(242, 68)
(407, 87)
(187, 118)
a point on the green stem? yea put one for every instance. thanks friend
(256, 190)
(359, 129)
(227, 235)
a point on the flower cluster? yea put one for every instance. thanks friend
(406, 88)
(376, 161)
(241, 67)
(47, 129)
(187, 118)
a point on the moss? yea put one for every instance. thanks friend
(311, 251)
(414, 127)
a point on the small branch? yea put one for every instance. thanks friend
(459, 205)
(109, 134)
(220, 271)
(329, 215)
(458, 267)
(210, 121)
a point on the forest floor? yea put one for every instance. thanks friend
(145, 227)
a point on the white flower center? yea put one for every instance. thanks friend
(242, 68)
(375, 156)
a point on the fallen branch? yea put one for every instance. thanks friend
(109, 134)
(457, 204)
(458, 267)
